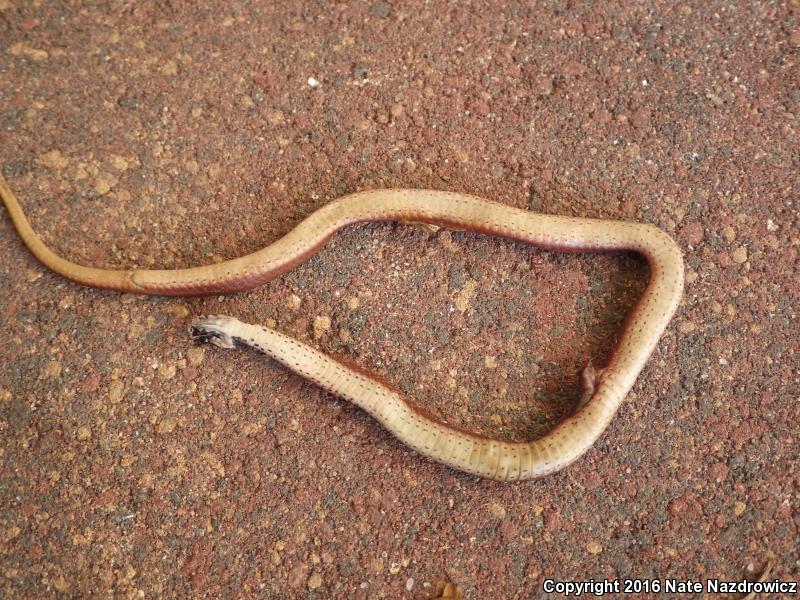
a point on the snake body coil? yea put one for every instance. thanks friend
(604, 390)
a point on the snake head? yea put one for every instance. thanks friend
(212, 329)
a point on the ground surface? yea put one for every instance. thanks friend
(160, 134)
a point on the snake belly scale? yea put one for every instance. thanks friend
(604, 389)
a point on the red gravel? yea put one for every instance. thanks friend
(162, 134)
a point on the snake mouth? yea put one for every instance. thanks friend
(210, 330)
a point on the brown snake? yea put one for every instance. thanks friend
(604, 390)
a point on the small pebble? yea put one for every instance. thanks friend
(497, 510)
(739, 255)
(380, 10)
(170, 68)
(196, 355)
(115, 391)
(167, 372)
(53, 159)
(21, 49)
(543, 85)
(166, 425)
(52, 371)
(692, 233)
(728, 233)
(315, 581)
(641, 118)
(104, 183)
(293, 301)
(574, 69)
(119, 162)
(602, 116)
(321, 326)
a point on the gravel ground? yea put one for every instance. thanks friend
(162, 134)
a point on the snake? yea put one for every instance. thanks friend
(603, 389)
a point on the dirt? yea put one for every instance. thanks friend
(163, 134)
